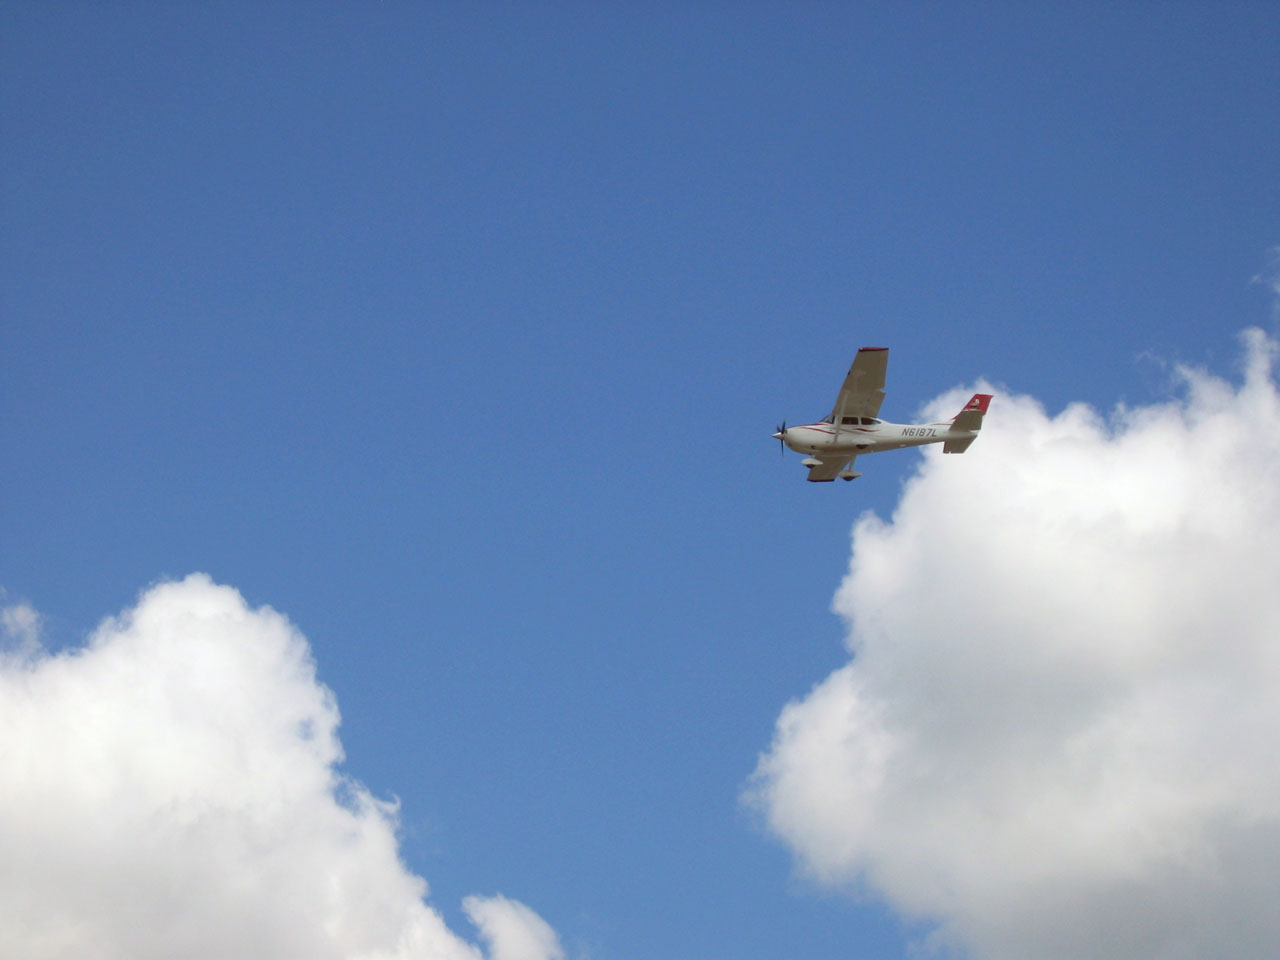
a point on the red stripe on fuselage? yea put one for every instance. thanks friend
(825, 429)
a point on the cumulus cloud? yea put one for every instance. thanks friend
(1058, 730)
(511, 930)
(19, 631)
(171, 790)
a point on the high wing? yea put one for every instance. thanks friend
(829, 468)
(863, 389)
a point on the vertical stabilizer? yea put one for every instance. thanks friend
(969, 419)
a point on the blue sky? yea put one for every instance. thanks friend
(456, 332)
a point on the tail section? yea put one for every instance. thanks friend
(968, 420)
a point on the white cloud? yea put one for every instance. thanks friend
(511, 930)
(19, 632)
(1057, 735)
(170, 791)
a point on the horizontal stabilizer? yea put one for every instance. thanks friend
(957, 446)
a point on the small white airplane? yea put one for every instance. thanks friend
(833, 443)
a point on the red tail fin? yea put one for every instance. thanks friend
(979, 402)
(970, 418)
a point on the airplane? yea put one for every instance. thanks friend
(833, 444)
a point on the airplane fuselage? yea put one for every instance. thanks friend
(824, 438)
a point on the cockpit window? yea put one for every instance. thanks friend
(851, 421)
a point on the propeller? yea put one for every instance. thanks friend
(782, 444)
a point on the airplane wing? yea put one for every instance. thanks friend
(830, 468)
(863, 389)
